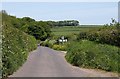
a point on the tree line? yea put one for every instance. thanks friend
(64, 23)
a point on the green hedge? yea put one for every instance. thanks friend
(15, 47)
(107, 34)
(93, 55)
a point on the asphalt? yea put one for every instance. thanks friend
(46, 62)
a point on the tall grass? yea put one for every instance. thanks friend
(15, 47)
(93, 55)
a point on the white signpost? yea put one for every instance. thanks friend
(62, 40)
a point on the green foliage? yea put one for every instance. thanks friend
(70, 30)
(109, 34)
(52, 44)
(93, 55)
(47, 43)
(15, 46)
(63, 23)
(27, 19)
(46, 27)
(39, 29)
(60, 47)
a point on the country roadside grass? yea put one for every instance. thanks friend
(90, 54)
(16, 46)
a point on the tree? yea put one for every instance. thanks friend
(38, 32)
(46, 27)
(28, 19)
(64, 23)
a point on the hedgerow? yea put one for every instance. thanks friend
(15, 47)
(94, 55)
(108, 34)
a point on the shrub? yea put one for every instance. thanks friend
(94, 55)
(47, 43)
(107, 35)
(59, 47)
(15, 47)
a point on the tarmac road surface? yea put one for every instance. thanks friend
(46, 62)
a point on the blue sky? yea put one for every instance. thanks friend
(85, 12)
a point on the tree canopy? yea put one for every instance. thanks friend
(39, 29)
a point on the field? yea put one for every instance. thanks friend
(90, 46)
(69, 30)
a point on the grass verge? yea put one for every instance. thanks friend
(93, 55)
(15, 47)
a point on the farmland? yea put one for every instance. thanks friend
(70, 30)
(43, 39)
(81, 40)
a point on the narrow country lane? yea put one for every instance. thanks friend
(46, 62)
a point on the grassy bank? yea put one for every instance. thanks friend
(93, 55)
(15, 47)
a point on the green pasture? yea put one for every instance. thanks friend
(70, 30)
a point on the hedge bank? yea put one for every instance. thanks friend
(15, 47)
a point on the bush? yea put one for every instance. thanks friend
(46, 43)
(105, 35)
(59, 47)
(93, 55)
(15, 47)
